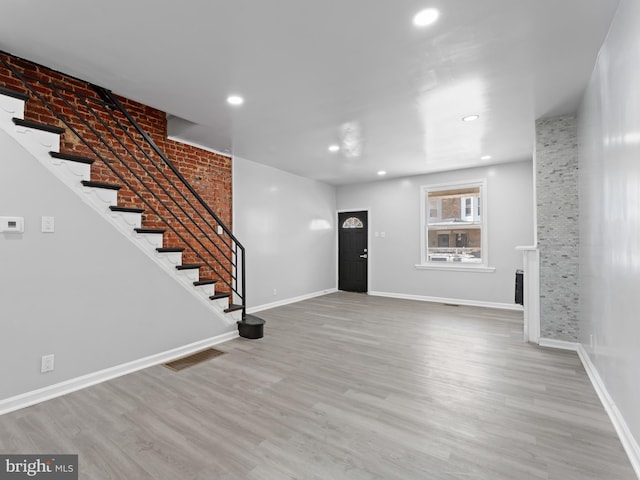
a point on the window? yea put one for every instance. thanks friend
(453, 225)
(353, 222)
(470, 208)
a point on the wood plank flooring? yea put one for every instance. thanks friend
(343, 386)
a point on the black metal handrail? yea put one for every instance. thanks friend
(109, 102)
(128, 150)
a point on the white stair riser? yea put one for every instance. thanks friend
(73, 172)
(206, 290)
(170, 258)
(149, 241)
(35, 140)
(99, 197)
(127, 220)
(236, 316)
(190, 276)
(221, 303)
(11, 108)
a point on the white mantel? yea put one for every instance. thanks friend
(531, 292)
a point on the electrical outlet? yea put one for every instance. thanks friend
(47, 363)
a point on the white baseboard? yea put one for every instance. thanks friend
(626, 437)
(559, 344)
(452, 301)
(288, 301)
(622, 429)
(59, 389)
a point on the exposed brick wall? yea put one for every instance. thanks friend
(209, 173)
(450, 208)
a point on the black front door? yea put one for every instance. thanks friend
(352, 251)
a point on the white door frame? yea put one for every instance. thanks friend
(337, 260)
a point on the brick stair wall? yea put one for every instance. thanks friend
(209, 173)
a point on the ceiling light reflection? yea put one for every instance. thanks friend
(445, 136)
(351, 136)
(235, 100)
(426, 17)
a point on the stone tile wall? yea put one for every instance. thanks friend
(558, 230)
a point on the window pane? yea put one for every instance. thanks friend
(453, 224)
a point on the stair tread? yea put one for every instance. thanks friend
(204, 281)
(188, 266)
(252, 320)
(72, 158)
(115, 208)
(149, 230)
(219, 295)
(13, 93)
(232, 308)
(170, 250)
(38, 126)
(108, 186)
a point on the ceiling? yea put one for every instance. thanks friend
(354, 73)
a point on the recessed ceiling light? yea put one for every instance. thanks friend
(235, 100)
(382, 172)
(470, 118)
(426, 17)
(334, 148)
(485, 157)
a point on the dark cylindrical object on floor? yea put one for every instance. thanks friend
(520, 287)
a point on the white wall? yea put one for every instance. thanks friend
(287, 225)
(609, 163)
(394, 208)
(84, 293)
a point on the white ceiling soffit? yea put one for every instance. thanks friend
(353, 73)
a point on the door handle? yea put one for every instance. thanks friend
(364, 256)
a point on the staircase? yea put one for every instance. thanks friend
(185, 237)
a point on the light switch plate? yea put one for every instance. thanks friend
(47, 363)
(48, 224)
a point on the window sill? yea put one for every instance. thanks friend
(456, 268)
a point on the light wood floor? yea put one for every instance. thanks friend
(343, 387)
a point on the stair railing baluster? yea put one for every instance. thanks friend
(184, 181)
(146, 170)
(150, 159)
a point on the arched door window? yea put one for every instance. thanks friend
(352, 222)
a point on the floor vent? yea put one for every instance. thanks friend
(193, 359)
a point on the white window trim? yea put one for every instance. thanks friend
(479, 267)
